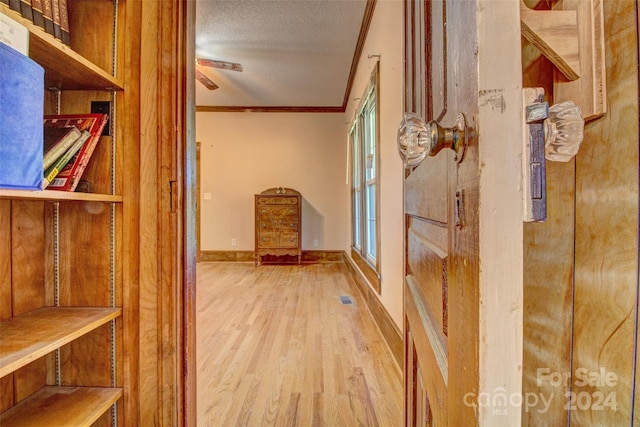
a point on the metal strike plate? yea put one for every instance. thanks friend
(534, 167)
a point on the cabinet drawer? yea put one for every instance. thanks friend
(266, 240)
(290, 225)
(288, 240)
(284, 225)
(277, 200)
(277, 213)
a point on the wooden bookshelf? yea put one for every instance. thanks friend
(53, 195)
(65, 69)
(30, 336)
(85, 249)
(72, 252)
(61, 406)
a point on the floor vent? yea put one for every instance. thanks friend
(345, 299)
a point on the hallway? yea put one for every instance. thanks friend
(277, 346)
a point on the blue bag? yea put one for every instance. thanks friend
(21, 115)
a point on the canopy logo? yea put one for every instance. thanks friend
(569, 390)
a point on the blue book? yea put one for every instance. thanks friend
(21, 112)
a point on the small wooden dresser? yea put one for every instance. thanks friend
(278, 223)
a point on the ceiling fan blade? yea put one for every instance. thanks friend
(206, 81)
(219, 64)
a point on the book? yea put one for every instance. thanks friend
(47, 15)
(55, 6)
(15, 5)
(25, 10)
(64, 22)
(64, 159)
(4, 1)
(14, 34)
(38, 18)
(68, 178)
(57, 141)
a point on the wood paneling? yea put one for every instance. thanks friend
(5, 260)
(636, 405)
(548, 274)
(149, 210)
(6, 383)
(243, 256)
(27, 241)
(164, 267)
(581, 308)
(128, 163)
(91, 23)
(606, 231)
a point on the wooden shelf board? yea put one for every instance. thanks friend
(61, 406)
(65, 69)
(58, 195)
(30, 336)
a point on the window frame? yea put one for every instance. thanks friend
(361, 127)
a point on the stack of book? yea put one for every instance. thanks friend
(69, 142)
(51, 15)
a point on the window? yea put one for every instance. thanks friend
(365, 183)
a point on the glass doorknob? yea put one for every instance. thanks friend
(418, 139)
(564, 132)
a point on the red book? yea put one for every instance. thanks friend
(68, 178)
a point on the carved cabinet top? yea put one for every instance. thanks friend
(280, 191)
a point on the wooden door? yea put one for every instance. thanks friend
(462, 342)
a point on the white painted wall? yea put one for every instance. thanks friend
(385, 38)
(245, 153)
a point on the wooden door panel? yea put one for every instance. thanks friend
(441, 295)
(427, 265)
(428, 185)
(430, 364)
(437, 53)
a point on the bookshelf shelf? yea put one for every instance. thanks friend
(65, 69)
(61, 406)
(32, 335)
(58, 196)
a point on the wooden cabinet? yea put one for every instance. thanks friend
(278, 224)
(63, 340)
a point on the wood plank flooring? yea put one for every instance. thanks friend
(277, 347)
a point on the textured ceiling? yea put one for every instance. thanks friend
(294, 53)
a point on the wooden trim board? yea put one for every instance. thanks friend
(245, 256)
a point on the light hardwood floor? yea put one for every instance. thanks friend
(276, 346)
